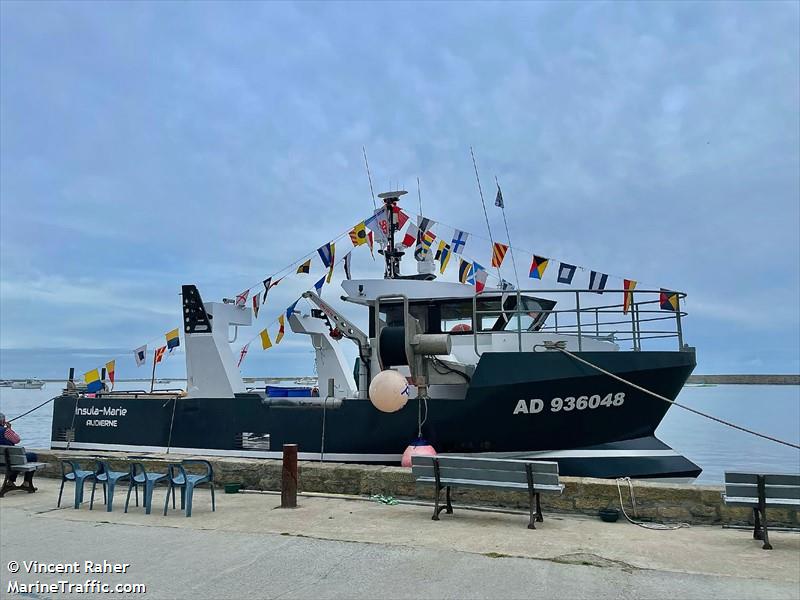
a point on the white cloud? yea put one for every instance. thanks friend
(658, 141)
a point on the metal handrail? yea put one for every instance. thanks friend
(640, 312)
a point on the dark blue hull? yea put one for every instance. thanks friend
(516, 404)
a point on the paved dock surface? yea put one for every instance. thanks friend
(342, 548)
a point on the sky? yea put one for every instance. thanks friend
(148, 145)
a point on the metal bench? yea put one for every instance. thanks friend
(13, 462)
(445, 472)
(759, 491)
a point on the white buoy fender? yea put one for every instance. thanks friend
(388, 391)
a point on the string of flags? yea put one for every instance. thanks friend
(94, 381)
(472, 273)
(359, 236)
(264, 336)
(420, 236)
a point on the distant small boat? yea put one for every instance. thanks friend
(27, 384)
(5, 383)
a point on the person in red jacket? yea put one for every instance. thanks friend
(8, 437)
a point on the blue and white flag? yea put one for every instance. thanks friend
(326, 254)
(498, 200)
(140, 354)
(597, 281)
(379, 225)
(319, 284)
(566, 272)
(459, 240)
(291, 310)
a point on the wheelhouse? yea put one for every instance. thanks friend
(455, 315)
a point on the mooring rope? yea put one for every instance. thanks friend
(171, 422)
(656, 526)
(560, 346)
(33, 409)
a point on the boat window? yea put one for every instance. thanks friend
(392, 316)
(456, 316)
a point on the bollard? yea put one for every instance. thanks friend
(289, 477)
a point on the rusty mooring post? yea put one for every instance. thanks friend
(289, 477)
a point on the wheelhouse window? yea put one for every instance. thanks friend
(455, 316)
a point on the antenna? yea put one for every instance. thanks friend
(419, 196)
(391, 253)
(369, 176)
(508, 236)
(483, 203)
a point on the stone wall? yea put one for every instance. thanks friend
(695, 504)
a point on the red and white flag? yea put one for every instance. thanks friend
(400, 217)
(241, 299)
(410, 238)
(480, 280)
(243, 353)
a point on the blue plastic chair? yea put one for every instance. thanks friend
(108, 478)
(178, 477)
(139, 476)
(71, 471)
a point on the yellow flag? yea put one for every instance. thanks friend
(93, 383)
(333, 255)
(358, 235)
(110, 367)
(628, 285)
(265, 341)
(281, 329)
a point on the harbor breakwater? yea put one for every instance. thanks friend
(695, 504)
(745, 379)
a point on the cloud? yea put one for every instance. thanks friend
(147, 145)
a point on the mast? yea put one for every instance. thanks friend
(391, 253)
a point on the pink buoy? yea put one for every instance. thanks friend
(418, 447)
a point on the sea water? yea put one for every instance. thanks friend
(770, 409)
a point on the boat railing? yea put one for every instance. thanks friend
(166, 393)
(644, 320)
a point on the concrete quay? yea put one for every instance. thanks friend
(356, 548)
(695, 504)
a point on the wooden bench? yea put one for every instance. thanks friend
(445, 472)
(758, 491)
(13, 462)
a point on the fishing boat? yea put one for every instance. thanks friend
(570, 375)
(27, 384)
